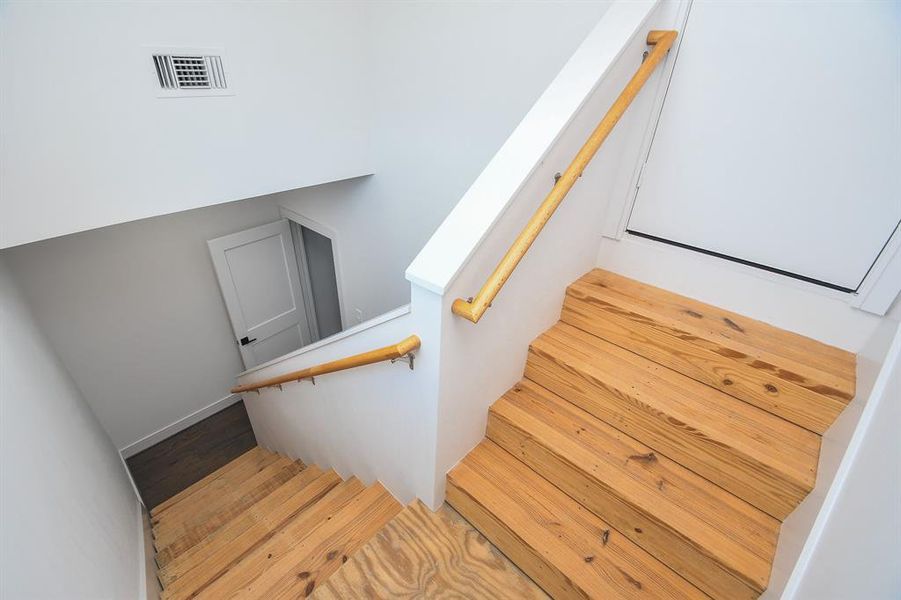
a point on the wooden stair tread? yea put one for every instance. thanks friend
(191, 509)
(271, 550)
(735, 373)
(322, 547)
(425, 554)
(175, 559)
(565, 548)
(255, 455)
(327, 547)
(195, 569)
(219, 511)
(717, 541)
(174, 516)
(743, 333)
(758, 456)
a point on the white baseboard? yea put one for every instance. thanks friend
(179, 425)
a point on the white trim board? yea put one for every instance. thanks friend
(171, 429)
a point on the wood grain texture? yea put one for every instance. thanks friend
(199, 568)
(226, 488)
(246, 466)
(716, 541)
(394, 351)
(798, 405)
(758, 338)
(425, 554)
(254, 523)
(565, 548)
(807, 397)
(761, 458)
(257, 561)
(217, 512)
(326, 548)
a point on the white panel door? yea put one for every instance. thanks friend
(257, 271)
(779, 143)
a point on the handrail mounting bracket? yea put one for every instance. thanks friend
(407, 358)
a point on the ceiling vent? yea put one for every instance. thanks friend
(184, 73)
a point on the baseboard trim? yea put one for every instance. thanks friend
(179, 425)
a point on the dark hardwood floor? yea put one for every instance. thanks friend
(172, 465)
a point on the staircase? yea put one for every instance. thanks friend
(652, 450)
(264, 526)
(653, 447)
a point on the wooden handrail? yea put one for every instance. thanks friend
(392, 352)
(474, 308)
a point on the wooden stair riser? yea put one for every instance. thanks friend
(569, 551)
(644, 496)
(252, 527)
(687, 436)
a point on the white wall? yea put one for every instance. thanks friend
(685, 161)
(136, 315)
(134, 310)
(375, 422)
(448, 81)
(86, 141)
(784, 149)
(69, 517)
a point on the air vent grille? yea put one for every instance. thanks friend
(190, 73)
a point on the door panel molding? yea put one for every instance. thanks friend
(226, 273)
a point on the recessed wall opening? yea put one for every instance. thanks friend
(319, 280)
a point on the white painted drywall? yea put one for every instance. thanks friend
(69, 520)
(87, 143)
(136, 315)
(449, 81)
(778, 141)
(134, 310)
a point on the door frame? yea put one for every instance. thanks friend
(332, 235)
